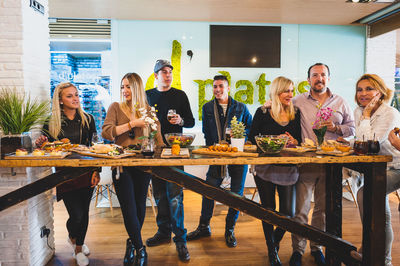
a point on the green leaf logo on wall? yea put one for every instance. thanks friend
(245, 95)
(176, 72)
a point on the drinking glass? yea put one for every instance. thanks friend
(228, 134)
(171, 114)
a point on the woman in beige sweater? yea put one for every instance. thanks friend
(124, 125)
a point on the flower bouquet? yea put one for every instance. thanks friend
(319, 127)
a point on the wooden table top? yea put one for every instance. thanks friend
(76, 160)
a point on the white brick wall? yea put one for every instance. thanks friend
(25, 63)
(20, 241)
(381, 57)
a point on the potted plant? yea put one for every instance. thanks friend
(237, 134)
(18, 116)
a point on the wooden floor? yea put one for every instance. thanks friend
(106, 237)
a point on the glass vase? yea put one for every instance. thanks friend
(320, 134)
(148, 147)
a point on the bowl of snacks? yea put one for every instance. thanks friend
(184, 139)
(271, 144)
(343, 147)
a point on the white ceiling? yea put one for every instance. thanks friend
(336, 12)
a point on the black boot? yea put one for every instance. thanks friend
(141, 257)
(129, 253)
(272, 250)
(203, 230)
(278, 235)
(230, 238)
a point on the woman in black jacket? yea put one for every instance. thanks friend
(281, 118)
(68, 120)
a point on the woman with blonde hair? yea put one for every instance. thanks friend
(375, 118)
(124, 124)
(68, 120)
(280, 118)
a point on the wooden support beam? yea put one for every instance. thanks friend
(335, 244)
(40, 186)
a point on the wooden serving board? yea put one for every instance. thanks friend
(299, 149)
(29, 156)
(103, 155)
(335, 153)
(184, 153)
(250, 148)
(206, 151)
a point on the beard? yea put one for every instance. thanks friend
(317, 89)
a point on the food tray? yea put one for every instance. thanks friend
(335, 153)
(206, 151)
(46, 156)
(103, 155)
(250, 148)
(184, 153)
(299, 149)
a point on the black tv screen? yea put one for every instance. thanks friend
(245, 46)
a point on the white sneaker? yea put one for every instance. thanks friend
(85, 249)
(81, 259)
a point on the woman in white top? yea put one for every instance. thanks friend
(375, 118)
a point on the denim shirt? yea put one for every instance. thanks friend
(235, 108)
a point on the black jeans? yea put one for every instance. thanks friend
(77, 203)
(287, 197)
(131, 188)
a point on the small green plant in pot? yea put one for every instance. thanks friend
(238, 132)
(18, 116)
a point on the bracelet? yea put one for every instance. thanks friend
(129, 125)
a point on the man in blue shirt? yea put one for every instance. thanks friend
(217, 116)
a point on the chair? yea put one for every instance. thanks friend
(352, 181)
(150, 197)
(106, 184)
(398, 197)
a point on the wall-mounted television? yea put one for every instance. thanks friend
(245, 46)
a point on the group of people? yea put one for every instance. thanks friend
(283, 114)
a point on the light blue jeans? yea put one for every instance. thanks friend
(392, 184)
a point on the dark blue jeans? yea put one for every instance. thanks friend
(170, 216)
(238, 176)
(131, 188)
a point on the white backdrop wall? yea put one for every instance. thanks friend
(136, 45)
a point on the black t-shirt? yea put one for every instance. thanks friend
(171, 99)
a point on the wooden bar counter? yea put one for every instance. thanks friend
(338, 250)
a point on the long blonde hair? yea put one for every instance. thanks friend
(138, 95)
(278, 86)
(56, 109)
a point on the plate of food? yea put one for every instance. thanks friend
(22, 154)
(299, 149)
(110, 151)
(133, 148)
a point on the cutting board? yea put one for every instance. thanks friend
(103, 155)
(335, 153)
(206, 151)
(184, 153)
(46, 156)
(250, 148)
